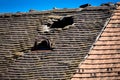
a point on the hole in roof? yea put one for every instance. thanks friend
(43, 45)
(61, 23)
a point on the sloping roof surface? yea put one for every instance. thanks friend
(18, 33)
(103, 61)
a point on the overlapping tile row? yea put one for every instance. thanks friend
(103, 61)
(18, 34)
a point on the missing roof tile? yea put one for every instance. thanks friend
(61, 23)
(43, 45)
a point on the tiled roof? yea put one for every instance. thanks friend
(19, 32)
(103, 60)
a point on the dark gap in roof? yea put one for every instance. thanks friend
(61, 23)
(44, 45)
(85, 5)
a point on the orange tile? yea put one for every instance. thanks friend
(116, 14)
(87, 78)
(75, 78)
(107, 42)
(114, 29)
(110, 38)
(99, 66)
(110, 34)
(115, 21)
(109, 25)
(115, 17)
(94, 70)
(103, 52)
(81, 75)
(117, 60)
(106, 74)
(108, 47)
(99, 57)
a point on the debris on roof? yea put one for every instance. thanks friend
(85, 5)
(108, 4)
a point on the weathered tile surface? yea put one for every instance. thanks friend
(19, 31)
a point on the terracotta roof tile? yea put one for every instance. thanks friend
(100, 66)
(104, 47)
(116, 29)
(109, 38)
(99, 52)
(113, 25)
(117, 14)
(115, 21)
(105, 34)
(103, 61)
(108, 61)
(114, 17)
(107, 42)
(102, 56)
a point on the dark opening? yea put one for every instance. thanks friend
(107, 4)
(85, 5)
(61, 23)
(44, 45)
